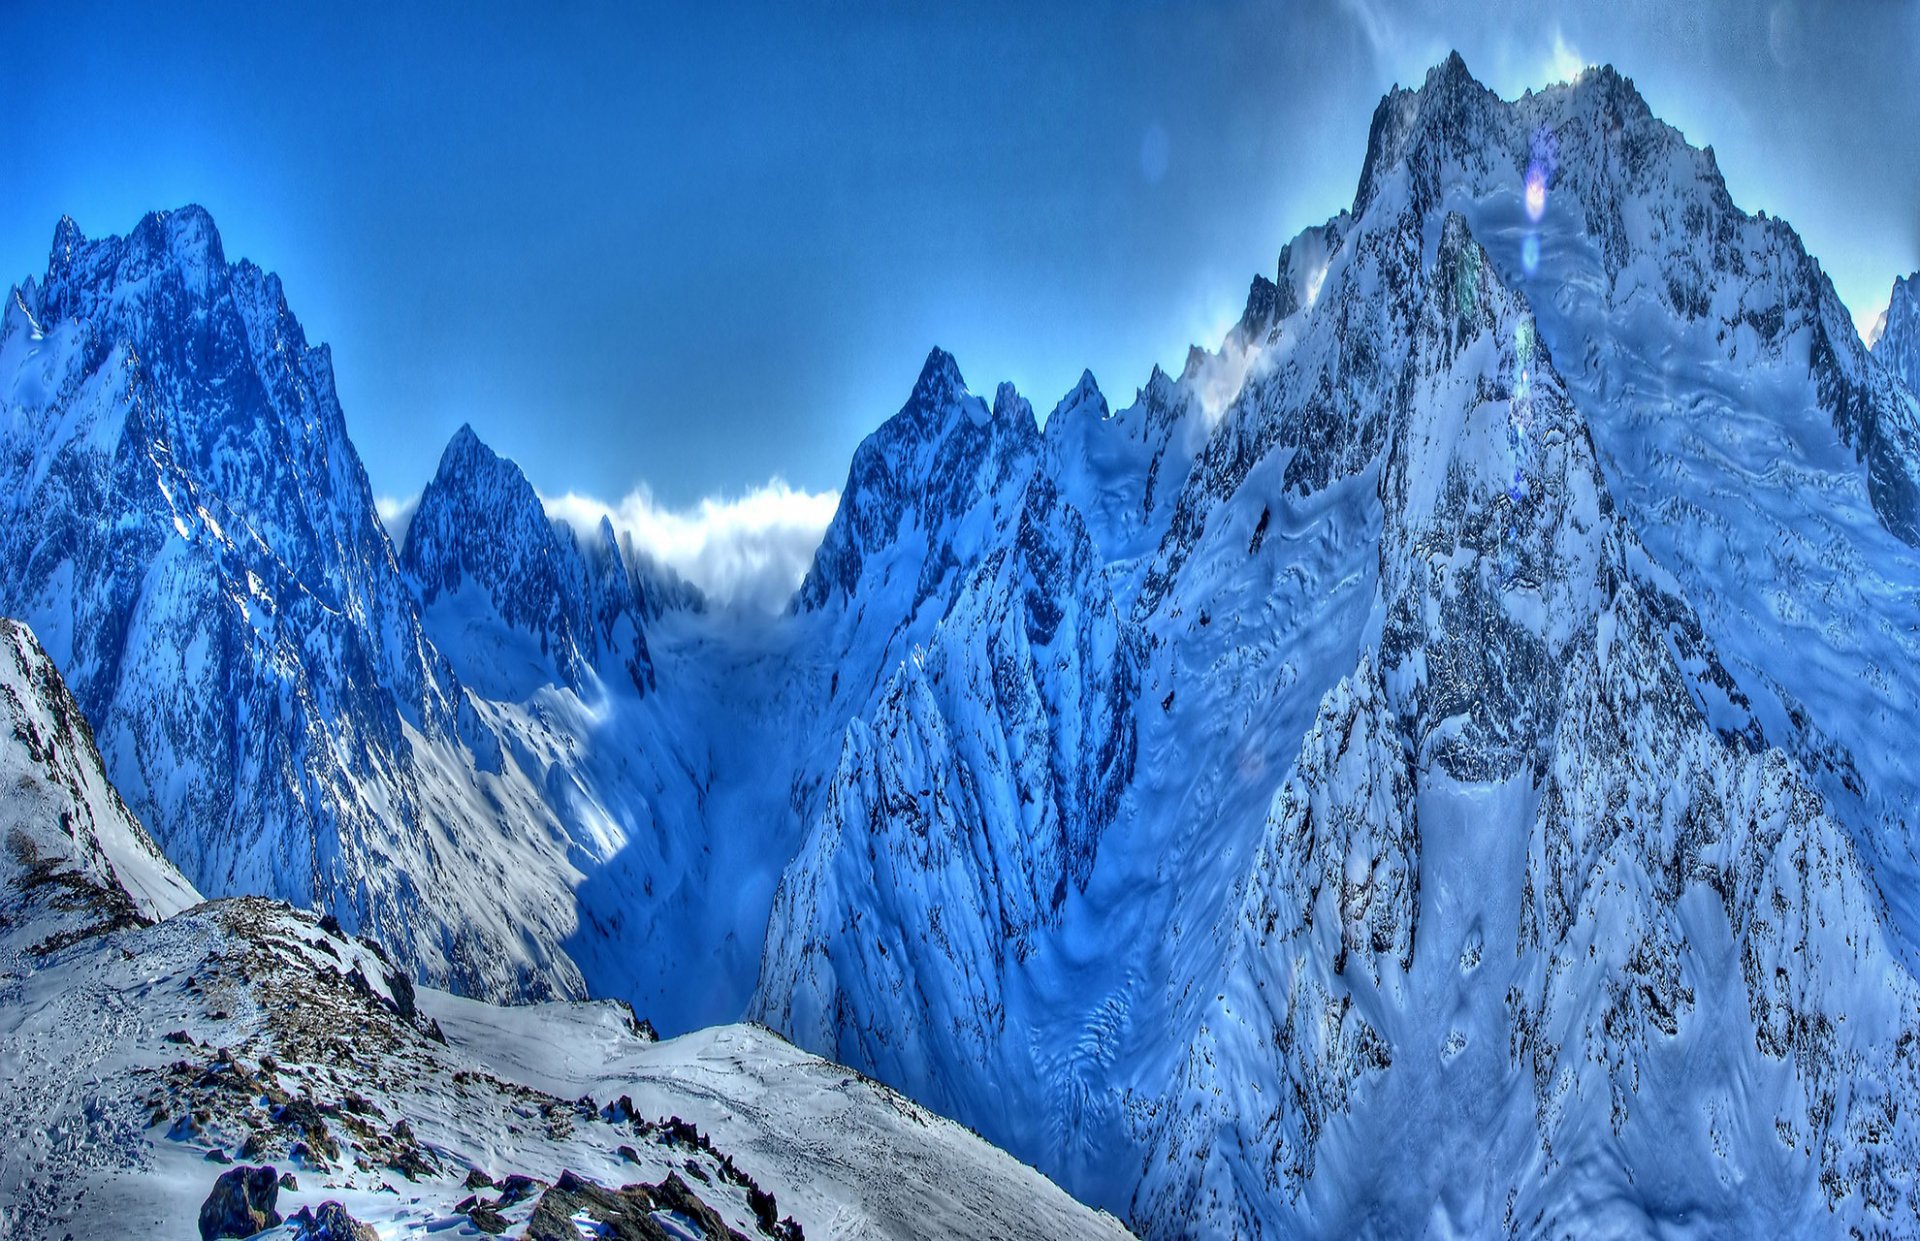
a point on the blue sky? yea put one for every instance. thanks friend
(685, 251)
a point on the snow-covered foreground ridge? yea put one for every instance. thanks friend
(1436, 765)
(148, 1039)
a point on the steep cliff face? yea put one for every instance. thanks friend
(191, 533)
(1510, 859)
(1897, 343)
(965, 806)
(75, 859)
(509, 595)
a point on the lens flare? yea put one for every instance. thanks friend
(1536, 191)
(1543, 159)
(1530, 253)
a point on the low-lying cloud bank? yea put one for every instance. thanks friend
(749, 551)
(396, 514)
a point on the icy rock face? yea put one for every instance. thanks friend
(1658, 215)
(190, 533)
(911, 510)
(243, 578)
(962, 810)
(1898, 345)
(1395, 526)
(1513, 855)
(508, 594)
(928, 494)
(74, 855)
(1124, 470)
(1760, 453)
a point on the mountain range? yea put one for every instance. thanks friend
(1432, 766)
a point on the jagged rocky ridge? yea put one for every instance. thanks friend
(488, 565)
(1369, 751)
(1897, 345)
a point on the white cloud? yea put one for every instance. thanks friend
(1871, 322)
(1564, 63)
(749, 551)
(396, 515)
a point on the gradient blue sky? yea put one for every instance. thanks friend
(690, 249)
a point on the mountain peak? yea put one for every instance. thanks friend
(1452, 105)
(466, 442)
(183, 246)
(940, 380)
(186, 234)
(67, 238)
(1263, 309)
(1085, 392)
(470, 468)
(1896, 341)
(1009, 404)
(1450, 72)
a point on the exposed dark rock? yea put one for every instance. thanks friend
(330, 1223)
(402, 988)
(241, 1204)
(516, 1188)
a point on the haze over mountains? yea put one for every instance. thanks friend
(1433, 765)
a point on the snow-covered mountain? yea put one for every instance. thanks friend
(508, 594)
(189, 528)
(76, 860)
(1468, 762)
(149, 1040)
(1431, 766)
(1897, 342)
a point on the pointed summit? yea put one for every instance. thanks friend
(465, 448)
(1449, 112)
(1450, 72)
(1009, 404)
(67, 238)
(1085, 395)
(939, 382)
(535, 607)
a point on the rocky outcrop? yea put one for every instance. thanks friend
(241, 1204)
(330, 1223)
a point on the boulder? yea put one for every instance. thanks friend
(241, 1204)
(330, 1223)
